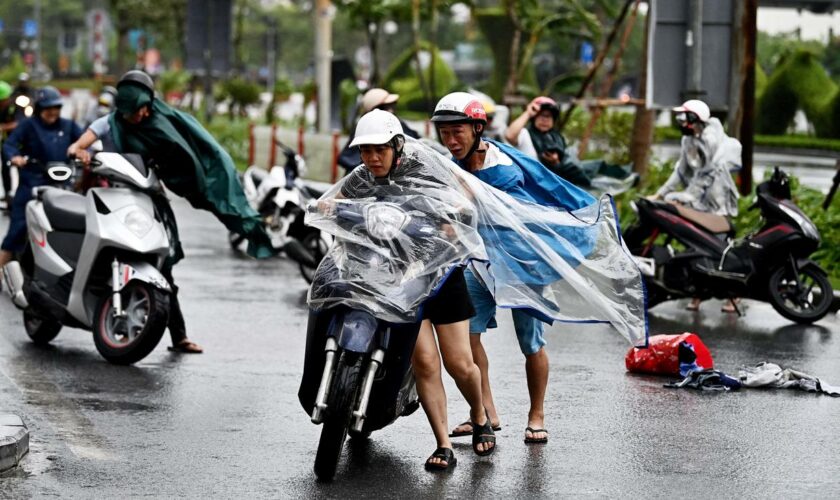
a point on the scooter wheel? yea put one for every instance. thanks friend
(342, 397)
(40, 330)
(805, 298)
(131, 337)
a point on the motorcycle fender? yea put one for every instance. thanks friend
(803, 263)
(145, 272)
(357, 332)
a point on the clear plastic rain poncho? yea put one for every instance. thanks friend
(395, 243)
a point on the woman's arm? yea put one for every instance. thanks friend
(512, 132)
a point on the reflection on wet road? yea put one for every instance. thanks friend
(227, 423)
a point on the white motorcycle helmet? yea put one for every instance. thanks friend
(378, 127)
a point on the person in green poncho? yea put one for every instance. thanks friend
(191, 164)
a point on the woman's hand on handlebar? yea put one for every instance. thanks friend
(19, 161)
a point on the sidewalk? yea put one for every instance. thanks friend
(14, 441)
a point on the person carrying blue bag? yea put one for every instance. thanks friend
(555, 253)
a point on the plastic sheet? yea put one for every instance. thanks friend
(559, 265)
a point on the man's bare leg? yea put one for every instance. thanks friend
(536, 370)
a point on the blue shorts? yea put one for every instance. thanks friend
(529, 330)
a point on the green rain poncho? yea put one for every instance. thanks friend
(192, 164)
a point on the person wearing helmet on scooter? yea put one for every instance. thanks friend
(460, 120)
(42, 138)
(375, 98)
(190, 163)
(8, 122)
(380, 140)
(534, 134)
(707, 158)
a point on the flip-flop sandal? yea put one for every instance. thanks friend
(186, 347)
(533, 440)
(445, 454)
(483, 434)
(455, 434)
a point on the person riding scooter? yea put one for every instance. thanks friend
(191, 164)
(36, 141)
(707, 156)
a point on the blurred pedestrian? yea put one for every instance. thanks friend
(8, 122)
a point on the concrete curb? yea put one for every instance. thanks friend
(14, 441)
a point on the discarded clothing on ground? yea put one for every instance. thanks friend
(771, 375)
(707, 380)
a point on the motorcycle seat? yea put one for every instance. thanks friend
(65, 210)
(714, 223)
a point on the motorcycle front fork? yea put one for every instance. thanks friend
(360, 412)
(116, 298)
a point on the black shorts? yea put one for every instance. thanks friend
(452, 302)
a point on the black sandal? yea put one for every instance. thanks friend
(483, 434)
(455, 434)
(445, 454)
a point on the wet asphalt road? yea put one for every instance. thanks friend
(227, 423)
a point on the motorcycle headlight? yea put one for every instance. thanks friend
(138, 222)
(385, 221)
(807, 226)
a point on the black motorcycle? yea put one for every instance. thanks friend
(357, 372)
(686, 253)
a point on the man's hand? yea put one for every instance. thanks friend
(326, 207)
(19, 161)
(551, 157)
(82, 155)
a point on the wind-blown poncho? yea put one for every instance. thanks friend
(558, 255)
(193, 164)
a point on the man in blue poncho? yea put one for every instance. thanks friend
(460, 120)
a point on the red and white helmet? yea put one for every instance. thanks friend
(377, 127)
(459, 107)
(548, 103)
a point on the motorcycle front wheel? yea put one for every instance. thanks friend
(803, 298)
(41, 330)
(342, 398)
(128, 338)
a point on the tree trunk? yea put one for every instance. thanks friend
(643, 122)
(512, 84)
(373, 45)
(415, 35)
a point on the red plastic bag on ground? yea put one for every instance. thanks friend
(663, 355)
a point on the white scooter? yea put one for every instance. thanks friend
(94, 261)
(279, 196)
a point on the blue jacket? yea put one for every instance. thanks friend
(42, 142)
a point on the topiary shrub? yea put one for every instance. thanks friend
(799, 82)
(401, 78)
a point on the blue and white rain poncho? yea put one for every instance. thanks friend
(549, 248)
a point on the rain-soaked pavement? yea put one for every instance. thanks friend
(227, 423)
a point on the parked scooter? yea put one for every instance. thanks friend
(279, 195)
(94, 261)
(772, 264)
(357, 373)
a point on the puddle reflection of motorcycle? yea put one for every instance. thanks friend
(357, 373)
(94, 261)
(773, 264)
(279, 196)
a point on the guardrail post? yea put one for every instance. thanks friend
(334, 169)
(272, 153)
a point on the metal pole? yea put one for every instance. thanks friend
(324, 12)
(694, 50)
(747, 132)
(208, 65)
(271, 55)
(38, 37)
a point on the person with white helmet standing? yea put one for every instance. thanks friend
(375, 98)
(460, 120)
(444, 331)
(707, 156)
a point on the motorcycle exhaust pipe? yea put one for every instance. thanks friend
(13, 276)
(299, 253)
(367, 385)
(326, 381)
